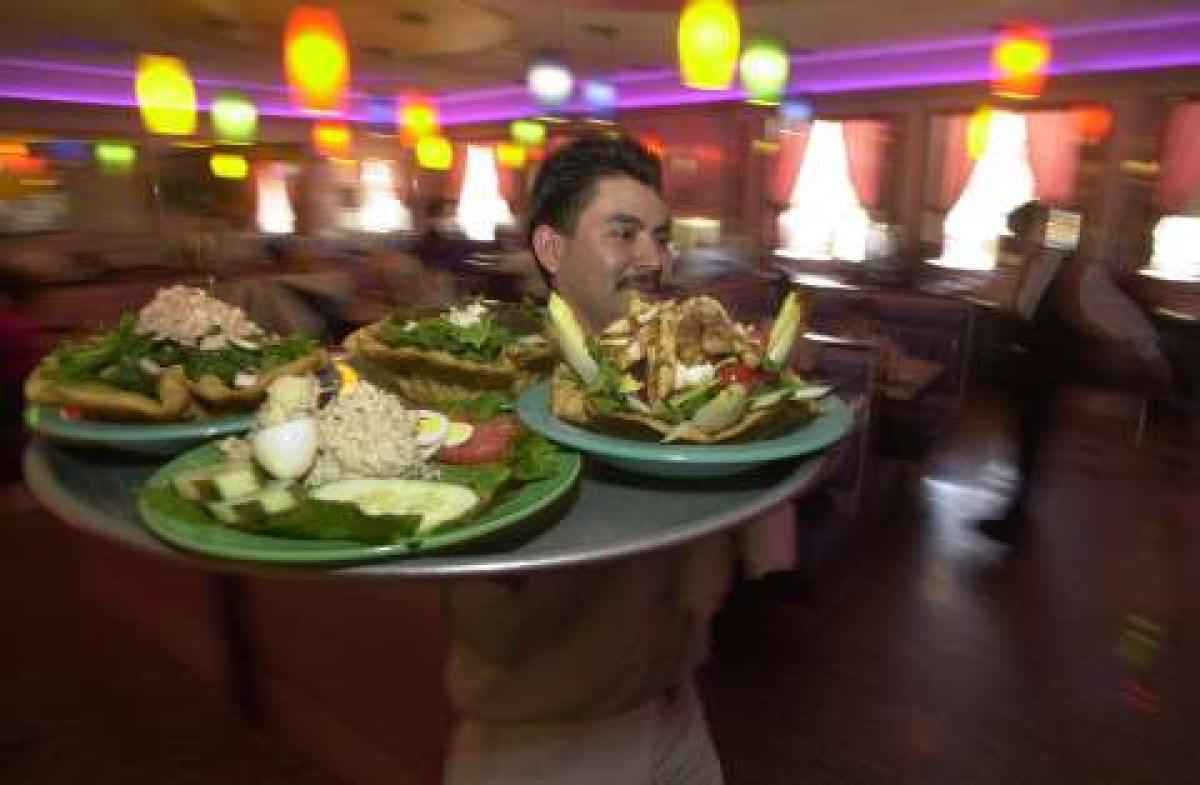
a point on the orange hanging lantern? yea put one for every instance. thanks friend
(418, 117)
(1019, 61)
(315, 59)
(653, 144)
(1094, 122)
(331, 138)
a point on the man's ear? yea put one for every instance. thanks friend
(548, 246)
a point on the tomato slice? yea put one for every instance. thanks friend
(488, 444)
(739, 373)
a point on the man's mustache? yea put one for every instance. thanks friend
(646, 280)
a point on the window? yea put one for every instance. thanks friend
(1176, 250)
(1017, 157)
(274, 213)
(481, 206)
(836, 182)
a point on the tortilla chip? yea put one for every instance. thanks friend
(104, 402)
(430, 377)
(214, 395)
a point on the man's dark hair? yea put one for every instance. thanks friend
(1023, 218)
(565, 183)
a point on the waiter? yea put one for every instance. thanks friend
(1077, 323)
(586, 676)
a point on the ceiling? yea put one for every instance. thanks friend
(449, 45)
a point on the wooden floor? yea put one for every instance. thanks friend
(925, 656)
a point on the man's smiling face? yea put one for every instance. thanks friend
(619, 240)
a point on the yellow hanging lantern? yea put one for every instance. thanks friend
(435, 152)
(228, 166)
(331, 138)
(978, 129)
(510, 155)
(530, 133)
(234, 118)
(315, 59)
(115, 157)
(709, 40)
(166, 95)
(418, 117)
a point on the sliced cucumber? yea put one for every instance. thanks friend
(237, 480)
(275, 498)
(201, 484)
(438, 503)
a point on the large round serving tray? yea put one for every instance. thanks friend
(610, 515)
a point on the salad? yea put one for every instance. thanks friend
(456, 354)
(681, 371)
(361, 466)
(184, 355)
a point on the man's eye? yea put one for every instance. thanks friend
(626, 235)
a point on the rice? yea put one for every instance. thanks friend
(191, 317)
(366, 432)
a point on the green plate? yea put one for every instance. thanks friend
(144, 438)
(685, 460)
(196, 531)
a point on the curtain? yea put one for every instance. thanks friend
(792, 145)
(1054, 141)
(1179, 178)
(956, 161)
(864, 153)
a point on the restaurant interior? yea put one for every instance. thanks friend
(324, 167)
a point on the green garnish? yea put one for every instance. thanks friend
(482, 341)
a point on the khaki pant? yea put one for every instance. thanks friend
(662, 742)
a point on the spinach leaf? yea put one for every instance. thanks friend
(313, 519)
(481, 408)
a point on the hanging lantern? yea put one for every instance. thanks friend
(331, 138)
(435, 152)
(530, 133)
(978, 129)
(550, 81)
(228, 166)
(234, 118)
(1019, 61)
(510, 155)
(654, 144)
(166, 95)
(794, 112)
(115, 157)
(418, 117)
(709, 39)
(600, 96)
(315, 59)
(1094, 122)
(764, 67)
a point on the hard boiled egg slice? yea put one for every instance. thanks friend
(287, 450)
(431, 428)
(459, 433)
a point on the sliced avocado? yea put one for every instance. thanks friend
(716, 415)
(200, 484)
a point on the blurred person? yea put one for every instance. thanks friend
(586, 676)
(20, 337)
(1079, 327)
